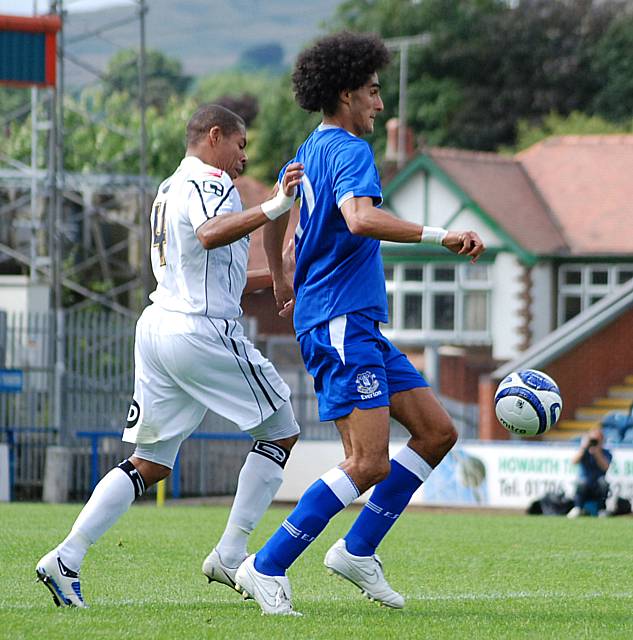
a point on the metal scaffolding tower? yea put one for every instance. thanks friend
(65, 229)
(59, 203)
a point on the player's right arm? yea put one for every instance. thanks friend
(274, 234)
(230, 226)
(364, 219)
(357, 191)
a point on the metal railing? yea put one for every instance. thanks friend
(96, 387)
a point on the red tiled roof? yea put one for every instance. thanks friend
(500, 186)
(569, 195)
(587, 182)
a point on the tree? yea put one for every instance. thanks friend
(245, 106)
(281, 127)
(612, 62)
(554, 124)
(236, 90)
(234, 82)
(163, 77)
(14, 102)
(529, 61)
(489, 64)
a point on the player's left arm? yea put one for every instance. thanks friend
(274, 234)
(364, 219)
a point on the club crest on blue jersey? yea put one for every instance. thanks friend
(367, 385)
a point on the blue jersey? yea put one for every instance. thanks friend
(337, 272)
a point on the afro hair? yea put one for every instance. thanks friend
(335, 63)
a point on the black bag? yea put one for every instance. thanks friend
(622, 507)
(553, 503)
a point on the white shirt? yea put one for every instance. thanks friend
(190, 278)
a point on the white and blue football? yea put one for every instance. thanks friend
(528, 402)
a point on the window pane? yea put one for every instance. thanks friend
(475, 272)
(388, 273)
(414, 273)
(624, 275)
(572, 306)
(476, 311)
(594, 299)
(572, 276)
(444, 311)
(599, 276)
(444, 274)
(412, 311)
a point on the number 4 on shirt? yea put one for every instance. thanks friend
(159, 238)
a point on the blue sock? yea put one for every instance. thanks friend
(322, 500)
(388, 500)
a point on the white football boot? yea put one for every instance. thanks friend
(217, 571)
(62, 582)
(272, 593)
(363, 571)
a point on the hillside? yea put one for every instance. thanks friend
(206, 36)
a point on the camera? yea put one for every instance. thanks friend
(592, 442)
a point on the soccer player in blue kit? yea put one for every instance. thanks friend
(360, 378)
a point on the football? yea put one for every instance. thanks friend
(528, 402)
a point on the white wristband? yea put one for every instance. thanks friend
(278, 205)
(433, 235)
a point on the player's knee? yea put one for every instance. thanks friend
(287, 443)
(439, 439)
(444, 436)
(151, 472)
(372, 471)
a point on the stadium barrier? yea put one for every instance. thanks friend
(95, 438)
(27, 458)
(507, 474)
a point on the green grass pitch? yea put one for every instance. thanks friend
(463, 575)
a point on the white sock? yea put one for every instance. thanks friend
(259, 481)
(414, 462)
(111, 498)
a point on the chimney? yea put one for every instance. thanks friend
(393, 129)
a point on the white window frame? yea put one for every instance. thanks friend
(398, 287)
(585, 290)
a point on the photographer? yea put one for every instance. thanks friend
(593, 462)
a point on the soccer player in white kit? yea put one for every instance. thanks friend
(191, 354)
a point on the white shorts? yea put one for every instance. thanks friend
(279, 425)
(186, 365)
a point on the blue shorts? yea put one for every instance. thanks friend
(354, 365)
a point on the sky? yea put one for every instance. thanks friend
(25, 7)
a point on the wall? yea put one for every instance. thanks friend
(511, 474)
(507, 303)
(590, 368)
(542, 301)
(583, 374)
(17, 293)
(5, 491)
(460, 370)
(408, 202)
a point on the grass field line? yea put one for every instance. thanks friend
(517, 595)
(456, 597)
